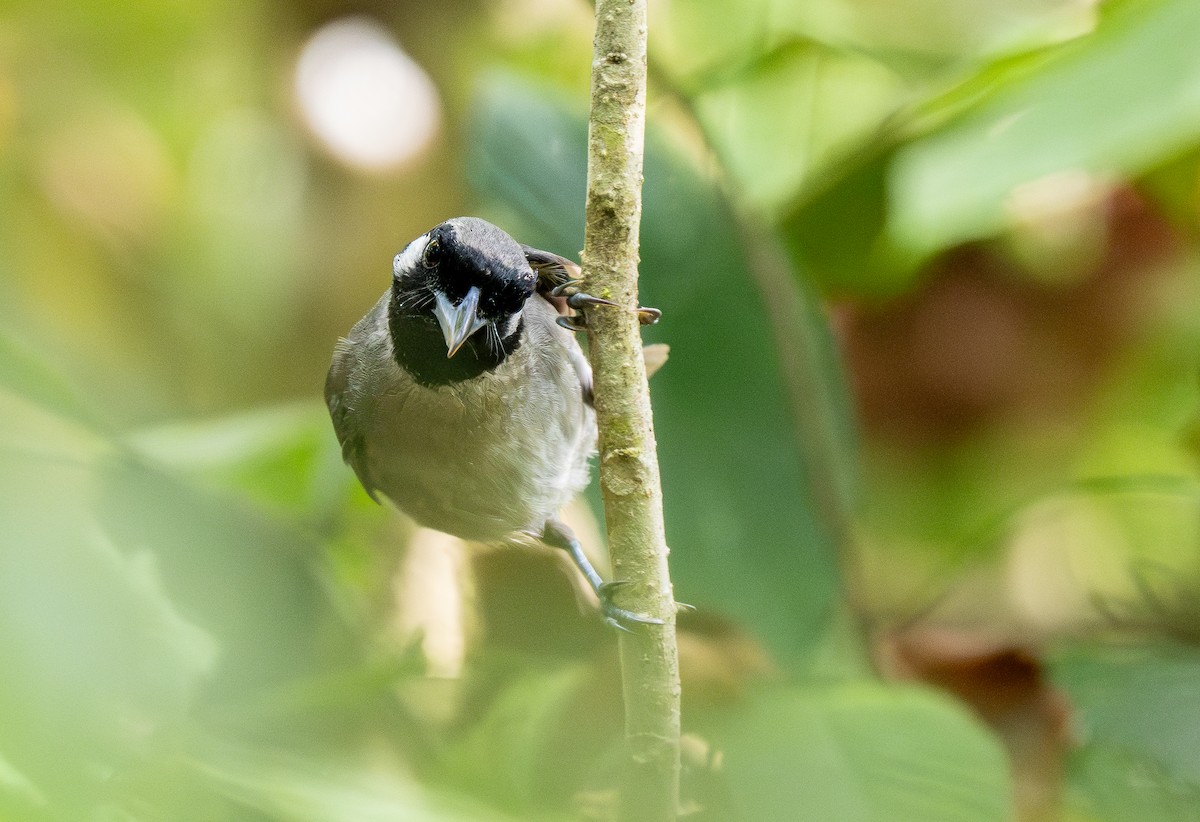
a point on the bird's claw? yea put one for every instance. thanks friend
(647, 315)
(575, 323)
(557, 535)
(566, 289)
(579, 300)
(618, 617)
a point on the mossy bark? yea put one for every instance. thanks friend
(629, 476)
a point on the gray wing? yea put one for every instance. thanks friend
(340, 399)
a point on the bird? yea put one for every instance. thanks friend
(463, 397)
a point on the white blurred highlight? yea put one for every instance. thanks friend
(370, 104)
(432, 601)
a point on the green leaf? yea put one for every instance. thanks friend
(696, 39)
(1112, 104)
(739, 513)
(823, 78)
(24, 373)
(802, 102)
(936, 36)
(861, 753)
(796, 113)
(1137, 705)
(251, 579)
(98, 657)
(1108, 784)
(293, 789)
(283, 456)
(702, 38)
(1172, 185)
(19, 797)
(128, 598)
(540, 741)
(838, 232)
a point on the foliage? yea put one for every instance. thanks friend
(201, 616)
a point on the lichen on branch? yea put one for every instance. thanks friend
(629, 476)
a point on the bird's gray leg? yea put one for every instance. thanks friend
(579, 300)
(557, 534)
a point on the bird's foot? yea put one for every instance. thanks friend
(556, 534)
(574, 323)
(579, 300)
(618, 617)
(648, 315)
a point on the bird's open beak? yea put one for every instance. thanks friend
(458, 322)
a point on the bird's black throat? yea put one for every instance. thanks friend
(420, 349)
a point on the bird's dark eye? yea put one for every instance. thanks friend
(429, 257)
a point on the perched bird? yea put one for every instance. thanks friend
(463, 397)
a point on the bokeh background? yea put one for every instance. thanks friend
(929, 431)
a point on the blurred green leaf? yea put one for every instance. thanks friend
(1139, 703)
(540, 741)
(861, 753)
(128, 598)
(1173, 186)
(106, 658)
(285, 456)
(739, 515)
(798, 111)
(696, 41)
(931, 36)
(837, 232)
(285, 461)
(23, 372)
(19, 797)
(1100, 107)
(292, 789)
(1136, 715)
(837, 225)
(231, 566)
(803, 101)
(1109, 784)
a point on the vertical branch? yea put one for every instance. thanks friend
(629, 475)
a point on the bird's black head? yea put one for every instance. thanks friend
(457, 295)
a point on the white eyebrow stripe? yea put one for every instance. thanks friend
(407, 260)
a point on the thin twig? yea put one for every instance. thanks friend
(629, 476)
